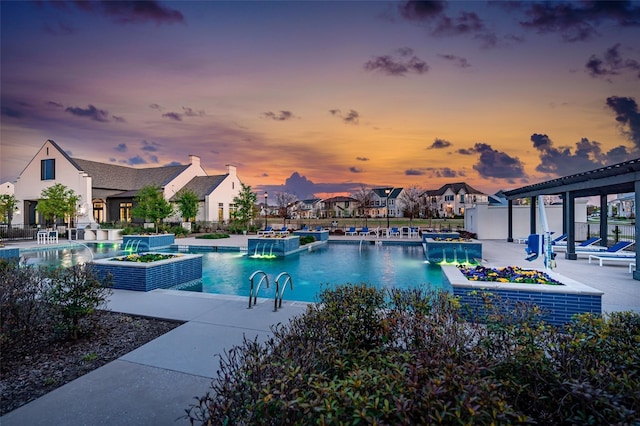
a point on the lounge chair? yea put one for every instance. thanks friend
(587, 245)
(318, 228)
(267, 231)
(615, 250)
(351, 231)
(283, 231)
(395, 232)
(365, 231)
(616, 257)
(560, 241)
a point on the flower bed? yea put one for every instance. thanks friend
(559, 301)
(146, 257)
(161, 270)
(509, 274)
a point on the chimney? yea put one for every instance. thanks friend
(195, 160)
(231, 170)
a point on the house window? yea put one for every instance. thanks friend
(98, 211)
(48, 169)
(462, 198)
(125, 212)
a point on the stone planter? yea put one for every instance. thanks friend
(140, 243)
(560, 302)
(455, 252)
(270, 247)
(183, 270)
(318, 235)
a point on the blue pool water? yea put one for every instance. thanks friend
(382, 266)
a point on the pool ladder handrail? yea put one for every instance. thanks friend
(253, 293)
(280, 294)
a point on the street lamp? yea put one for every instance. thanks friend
(265, 210)
(388, 192)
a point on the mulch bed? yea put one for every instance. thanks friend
(38, 366)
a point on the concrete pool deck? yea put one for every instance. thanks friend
(154, 384)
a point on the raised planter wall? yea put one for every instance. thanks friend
(140, 276)
(560, 301)
(147, 242)
(427, 234)
(452, 251)
(9, 253)
(318, 235)
(278, 247)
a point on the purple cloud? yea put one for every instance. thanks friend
(627, 114)
(578, 21)
(90, 112)
(122, 147)
(134, 161)
(456, 60)
(612, 63)
(190, 112)
(129, 12)
(282, 116)
(497, 164)
(562, 161)
(354, 169)
(406, 63)
(150, 146)
(439, 144)
(173, 116)
(413, 172)
(352, 117)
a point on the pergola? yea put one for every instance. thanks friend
(614, 179)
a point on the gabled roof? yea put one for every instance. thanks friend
(338, 199)
(111, 176)
(381, 192)
(203, 185)
(457, 187)
(310, 201)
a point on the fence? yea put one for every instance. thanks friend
(18, 232)
(615, 233)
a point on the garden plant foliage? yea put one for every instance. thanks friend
(365, 356)
(53, 301)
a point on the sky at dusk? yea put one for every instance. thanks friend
(321, 97)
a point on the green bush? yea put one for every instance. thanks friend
(76, 292)
(216, 236)
(307, 239)
(361, 355)
(21, 293)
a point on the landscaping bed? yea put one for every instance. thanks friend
(39, 365)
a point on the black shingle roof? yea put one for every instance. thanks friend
(203, 185)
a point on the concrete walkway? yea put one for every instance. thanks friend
(154, 384)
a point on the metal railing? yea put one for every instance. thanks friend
(615, 232)
(18, 232)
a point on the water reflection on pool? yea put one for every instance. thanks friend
(383, 266)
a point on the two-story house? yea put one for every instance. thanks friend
(107, 191)
(386, 202)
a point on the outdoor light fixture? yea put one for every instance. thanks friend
(388, 192)
(265, 210)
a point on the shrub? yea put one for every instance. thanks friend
(21, 291)
(75, 293)
(216, 236)
(307, 239)
(412, 357)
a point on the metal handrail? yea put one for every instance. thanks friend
(253, 294)
(280, 294)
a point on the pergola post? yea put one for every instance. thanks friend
(532, 216)
(510, 221)
(569, 218)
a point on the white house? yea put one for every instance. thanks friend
(107, 191)
(386, 202)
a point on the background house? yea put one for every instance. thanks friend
(386, 202)
(107, 191)
(338, 207)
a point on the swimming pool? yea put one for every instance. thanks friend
(382, 266)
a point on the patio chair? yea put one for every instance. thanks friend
(318, 228)
(283, 231)
(395, 232)
(53, 237)
(365, 231)
(351, 231)
(267, 231)
(587, 245)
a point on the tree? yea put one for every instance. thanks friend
(245, 203)
(284, 200)
(364, 196)
(8, 206)
(150, 204)
(58, 201)
(187, 201)
(410, 199)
